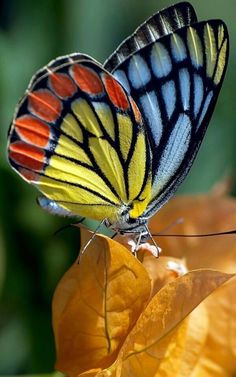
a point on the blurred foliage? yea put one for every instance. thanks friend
(32, 259)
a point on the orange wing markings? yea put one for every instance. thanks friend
(87, 79)
(45, 105)
(115, 92)
(32, 130)
(29, 175)
(137, 114)
(62, 85)
(27, 156)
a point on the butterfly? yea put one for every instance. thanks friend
(113, 141)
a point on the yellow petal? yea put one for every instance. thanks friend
(96, 304)
(161, 331)
(219, 354)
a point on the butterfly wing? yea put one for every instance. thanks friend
(162, 23)
(79, 138)
(58, 63)
(175, 82)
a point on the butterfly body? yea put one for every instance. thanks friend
(113, 142)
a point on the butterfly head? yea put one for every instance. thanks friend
(127, 224)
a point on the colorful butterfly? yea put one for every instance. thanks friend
(113, 142)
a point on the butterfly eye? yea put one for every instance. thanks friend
(132, 221)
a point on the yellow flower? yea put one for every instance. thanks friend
(116, 315)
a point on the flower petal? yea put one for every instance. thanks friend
(161, 331)
(219, 355)
(96, 304)
(161, 270)
(201, 214)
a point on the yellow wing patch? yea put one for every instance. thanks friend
(211, 51)
(84, 113)
(109, 163)
(126, 133)
(91, 156)
(105, 115)
(80, 201)
(136, 174)
(221, 63)
(195, 47)
(71, 128)
(69, 149)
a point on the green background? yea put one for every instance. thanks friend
(32, 258)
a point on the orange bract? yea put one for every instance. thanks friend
(201, 214)
(105, 326)
(96, 304)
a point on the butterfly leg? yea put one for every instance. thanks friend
(93, 236)
(154, 249)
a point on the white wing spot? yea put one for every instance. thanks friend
(169, 96)
(174, 152)
(53, 207)
(160, 60)
(198, 93)
(178, 48)
(138, 71)
(152, 113)
(184, 82)
(205, 108)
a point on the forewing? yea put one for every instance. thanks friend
(175, 83)
(79, 138)
(162, 23)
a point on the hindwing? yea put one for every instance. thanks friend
(79, 138)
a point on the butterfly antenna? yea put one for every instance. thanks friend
(93, 236)
(135, 249)
(178, 221)
(197, 235)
